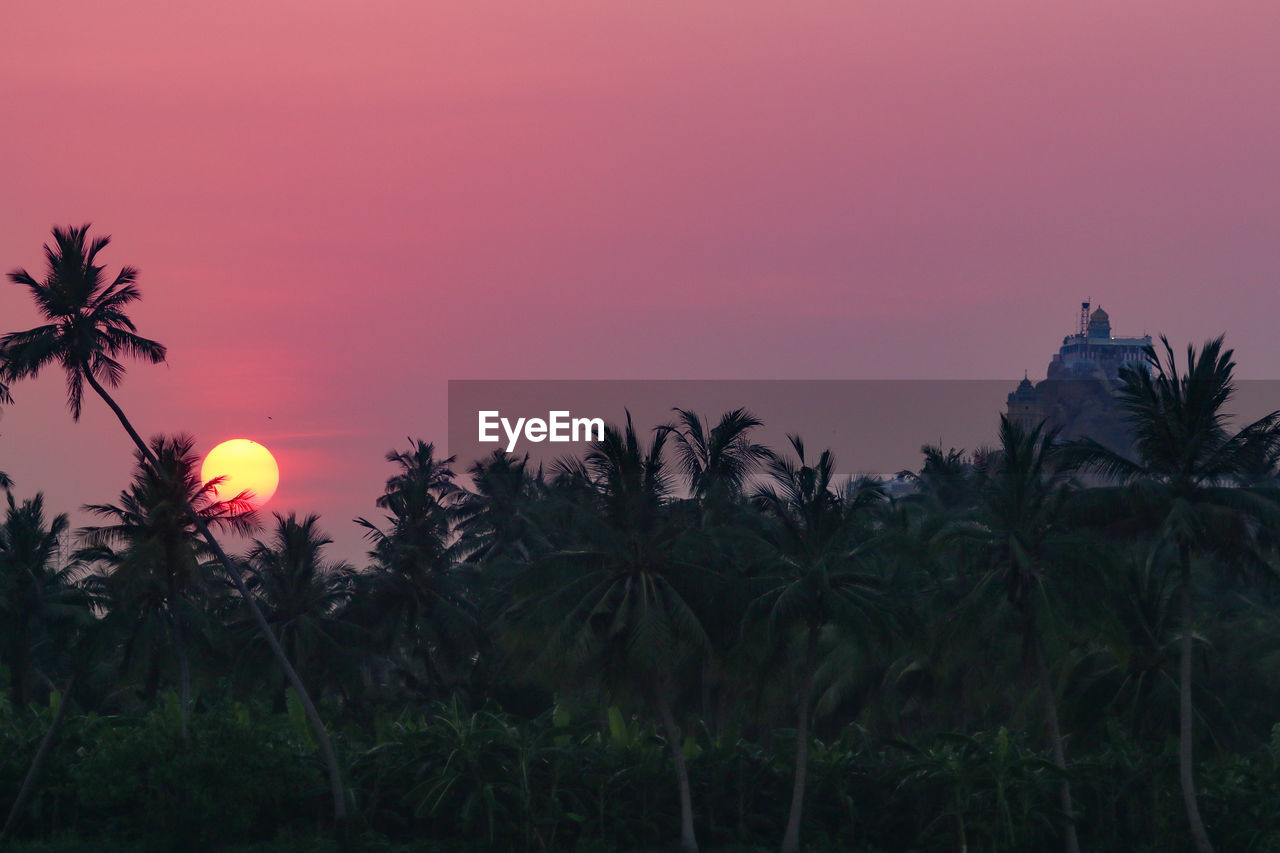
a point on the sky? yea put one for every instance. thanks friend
(338, 207)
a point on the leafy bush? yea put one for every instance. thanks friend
(239, 776)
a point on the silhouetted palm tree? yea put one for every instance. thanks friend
(500, 532)
(156, 561)
(413, 599)
(1020, 535)
(947, 477)
(718, 461)
(43, 613)
(1188, 486)
(616, 598)
(1130, 673)
(816, 584)
(493, 519)
(302, 594)
(717, 464)
(40, 605)
(87, 331)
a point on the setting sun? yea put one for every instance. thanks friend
(247, 467)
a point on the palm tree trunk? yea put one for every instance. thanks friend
(791, 840)
(37, 763)
(688, 842)
(1071, 843)
(1185, 766)
(313, 715)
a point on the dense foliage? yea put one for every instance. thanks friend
(486, 688)
(682, 637)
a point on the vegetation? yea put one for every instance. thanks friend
(682, 639)
(87, 331)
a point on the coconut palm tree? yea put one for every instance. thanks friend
(816, 537)
(413, 600)
(616, 595)
(1190, 486)
(947, 478)
(1020, 537)
(718, 461)
(43, 612)
(500, 532)
(1129, 673)
(87, 330)
(157, 564)
(493, 520)
(303, 593)
(40, 604)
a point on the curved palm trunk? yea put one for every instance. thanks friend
(313, 715)
(1185, 766)
(1071, 843)
(791, 839)
(37, 763)
(688, 842)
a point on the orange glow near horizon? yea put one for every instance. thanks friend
(247, 467)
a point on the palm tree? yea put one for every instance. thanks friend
(39, 601)
(717, 461)
(414, 599)
(1131, 670)
(41, 608)
(157, 562)
(500, 532)
(493, 520)
(717, 464)
(947, 477)
(816, 542)
(1189, 486)
(616, 594)
(87, 331)
(1021, 539)
(303, 593)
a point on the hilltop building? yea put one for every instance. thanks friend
(1078, 393)
(1024, 404)
(1093, 352)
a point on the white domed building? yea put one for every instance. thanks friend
(1093, 352)
(1078, 393)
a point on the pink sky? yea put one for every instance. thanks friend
(337, 207)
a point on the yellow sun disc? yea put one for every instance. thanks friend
(246, 466)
